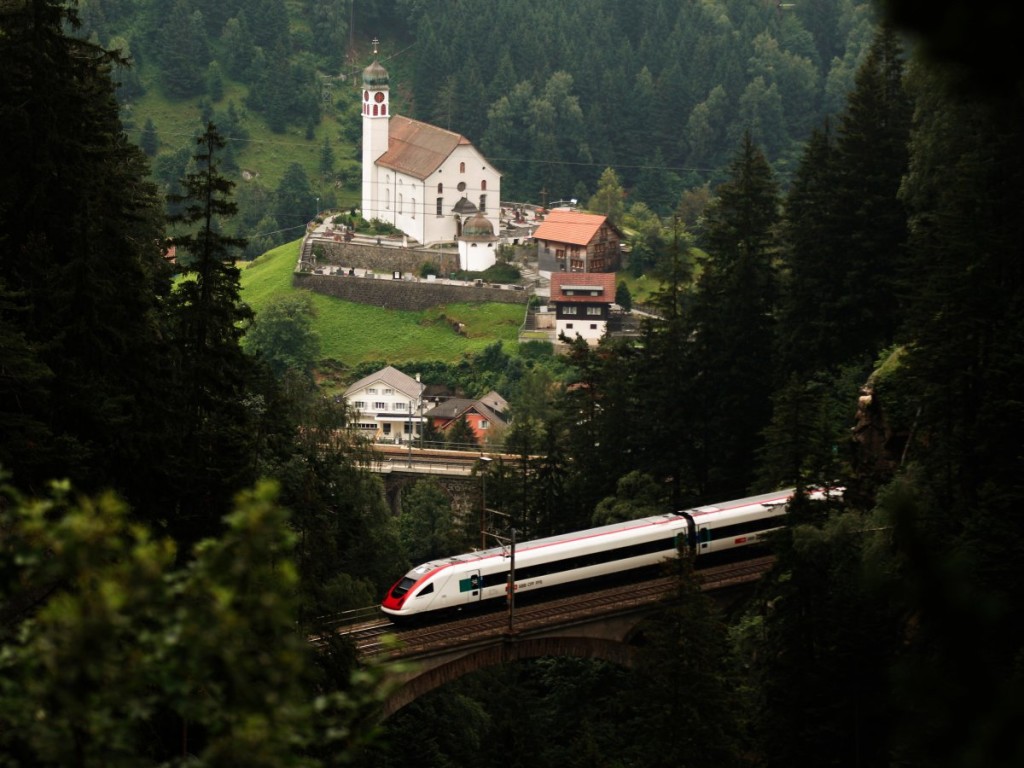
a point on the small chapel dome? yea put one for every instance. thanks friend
(478, 225)
(375, 74)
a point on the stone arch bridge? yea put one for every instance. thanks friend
(606, 625)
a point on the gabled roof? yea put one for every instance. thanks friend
(495, 402)
(418, 149)
(570, 227)
(389, 377)
(579, 287)
(456, 407)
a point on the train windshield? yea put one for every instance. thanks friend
(402, 587)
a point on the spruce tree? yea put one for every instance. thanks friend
(216, 423)
(869, 218)
(82, 273)
(733, 324)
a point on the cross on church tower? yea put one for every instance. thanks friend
(375, 42)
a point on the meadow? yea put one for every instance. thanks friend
(352, 333)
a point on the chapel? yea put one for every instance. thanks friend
(426, 181)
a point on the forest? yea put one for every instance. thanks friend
(178, 514)
(553, 94)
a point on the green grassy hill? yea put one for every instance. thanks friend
(353, 333)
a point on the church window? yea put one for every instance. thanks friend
(383, 109)
(412, 204)
(375, 110)
(440, 188)
(387, 198)
(462, 167)
(399, 202)
(483, 203)
(440, 205)
(483, 184)
(461, 186)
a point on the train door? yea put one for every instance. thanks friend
(703, 539)
(471, 587)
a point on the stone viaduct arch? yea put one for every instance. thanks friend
(611, 637)
(607, 638)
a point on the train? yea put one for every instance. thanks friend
(449, 584)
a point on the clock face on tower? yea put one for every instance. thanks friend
(378, 96)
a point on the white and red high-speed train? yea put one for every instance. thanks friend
(462, 580)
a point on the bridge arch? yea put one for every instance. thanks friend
(428, 674)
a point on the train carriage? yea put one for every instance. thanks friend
(455, 582)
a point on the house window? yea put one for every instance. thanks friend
(371, 391)
(483, 185)
(593, 310)
(440, 188)
(440, 204)
(483, 203)
(388, 391)
(462, 167)
(380, 406)
(569, 309)
(568, 326)
(400, 406)
(387, 429)
(484, 424)
(359, 404)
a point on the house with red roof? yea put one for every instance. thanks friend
(484, 419)
(578, 242)
(425, 180)
(582, 303)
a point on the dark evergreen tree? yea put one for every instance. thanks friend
(294, 200)
(687, 675)
(148, 141)
(184, 55)
(870, 220)
(459, 434)
(82, 274)
(733, 325)
(214, 452)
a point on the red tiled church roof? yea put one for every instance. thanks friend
(418, 149)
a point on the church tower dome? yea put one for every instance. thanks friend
(375, 75)
(478, 226)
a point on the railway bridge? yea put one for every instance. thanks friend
(597, 625)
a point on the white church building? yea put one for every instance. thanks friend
(424, 180)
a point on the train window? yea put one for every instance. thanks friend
(402, 587)
(426, 590)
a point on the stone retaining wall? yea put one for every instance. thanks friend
(412, 295)
(383, 258)
(382, 290)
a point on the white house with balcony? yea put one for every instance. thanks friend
(387, 405)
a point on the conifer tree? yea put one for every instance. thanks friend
(733, 324)
(217, 422)
(82, 272)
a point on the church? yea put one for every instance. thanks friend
(426, 181)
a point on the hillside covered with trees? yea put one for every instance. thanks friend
(552, 93)
(179, 513)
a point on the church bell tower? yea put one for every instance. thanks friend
(376, 108)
